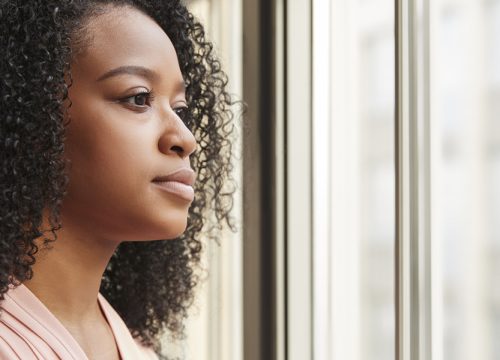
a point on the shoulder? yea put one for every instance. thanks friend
(8, 339)
(18, 341)
(29, 331)
(125, 341)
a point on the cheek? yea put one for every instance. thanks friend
(107, 153)
(108, 169)
(109, 191)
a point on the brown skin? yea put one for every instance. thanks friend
(116, 148)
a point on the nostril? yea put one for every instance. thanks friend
(177, 149)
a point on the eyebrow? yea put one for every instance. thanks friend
(131, 70)
(138, 71)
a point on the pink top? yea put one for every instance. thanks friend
(29, 331)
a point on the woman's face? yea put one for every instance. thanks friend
(119, 138)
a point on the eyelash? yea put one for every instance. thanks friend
(180, 111)
(149, 97)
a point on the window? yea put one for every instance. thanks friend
(404, 207)
(371, 158)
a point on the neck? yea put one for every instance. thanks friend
(67, 277)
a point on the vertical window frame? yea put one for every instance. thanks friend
(298, 109)
(415, 260)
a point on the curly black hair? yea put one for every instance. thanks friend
(150, 284)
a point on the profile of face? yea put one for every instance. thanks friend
(126, 129)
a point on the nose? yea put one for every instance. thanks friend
(176, 138)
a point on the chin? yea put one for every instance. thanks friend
(174, 230)
(159, 225)
(171, 236)
(162, 235)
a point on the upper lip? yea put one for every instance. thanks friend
(183, 175)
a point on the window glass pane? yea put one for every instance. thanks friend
(466, 98)
(377, 185)
(354, 187)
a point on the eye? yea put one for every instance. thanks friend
(141, 100)
(182, 113)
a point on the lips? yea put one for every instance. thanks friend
(183, 175)
(179, 183)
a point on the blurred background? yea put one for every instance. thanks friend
(316, 270)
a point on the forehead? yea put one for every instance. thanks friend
(125, 36)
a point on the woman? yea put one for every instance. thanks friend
(115, 141)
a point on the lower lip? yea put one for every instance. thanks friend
(182, 190)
